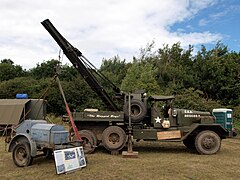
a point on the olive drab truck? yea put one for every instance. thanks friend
(152, 117)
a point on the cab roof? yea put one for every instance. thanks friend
(161, 98)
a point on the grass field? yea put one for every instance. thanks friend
(156, 161)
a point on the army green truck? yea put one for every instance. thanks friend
(159, 122)
(153, 118)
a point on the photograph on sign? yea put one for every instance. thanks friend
(81, 157)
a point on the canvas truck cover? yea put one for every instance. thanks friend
(13, 110)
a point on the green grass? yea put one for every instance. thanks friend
(155, 161)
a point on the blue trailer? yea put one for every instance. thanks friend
(33, 136)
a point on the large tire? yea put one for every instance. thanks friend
(207, 142)
(89, 141)
(138, 110)
(94, 138)
(114, 138)
(22, 155)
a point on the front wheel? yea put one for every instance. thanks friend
(22, 155)
(207, 142)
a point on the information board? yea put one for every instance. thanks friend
(69, 159)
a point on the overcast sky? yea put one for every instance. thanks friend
(105, 28)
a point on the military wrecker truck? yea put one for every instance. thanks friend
(152, 117)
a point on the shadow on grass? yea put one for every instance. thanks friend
(143, 147)
(42, 160)
(167, 149)
(153, 147)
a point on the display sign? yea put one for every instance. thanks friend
(69, 159)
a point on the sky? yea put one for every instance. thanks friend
(106, 28)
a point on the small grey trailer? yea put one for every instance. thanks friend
(36, 138)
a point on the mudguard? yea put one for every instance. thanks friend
(217, 128)
(24, 138)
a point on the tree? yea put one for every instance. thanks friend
(45, 69)
(193, 99)
(174, 67)
(217, 74)
(68, 73)
(25, 85)
(140, 76)
(9, 71)
(114, 69)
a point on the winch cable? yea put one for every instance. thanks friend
(89, 65)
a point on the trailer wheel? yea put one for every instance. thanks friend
(207, 142)
(22, 154)
(114, 138)
(138, 110)
(89, 141)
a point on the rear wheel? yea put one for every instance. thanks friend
(207, 142)
(89, 141)
(114, 138)
(22, 155)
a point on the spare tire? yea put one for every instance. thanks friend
(138, 110)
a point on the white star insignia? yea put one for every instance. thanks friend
(158, 120)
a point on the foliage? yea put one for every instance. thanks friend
(26, 85)
(79, 95)
(10, 71)
(140, 76)
(45, 69)
(175, 67)
(68, 73)
(142, 73)
(192, 99)
(218, 73)
(236, 120)
(114, 69)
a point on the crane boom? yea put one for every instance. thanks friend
(77, 59)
